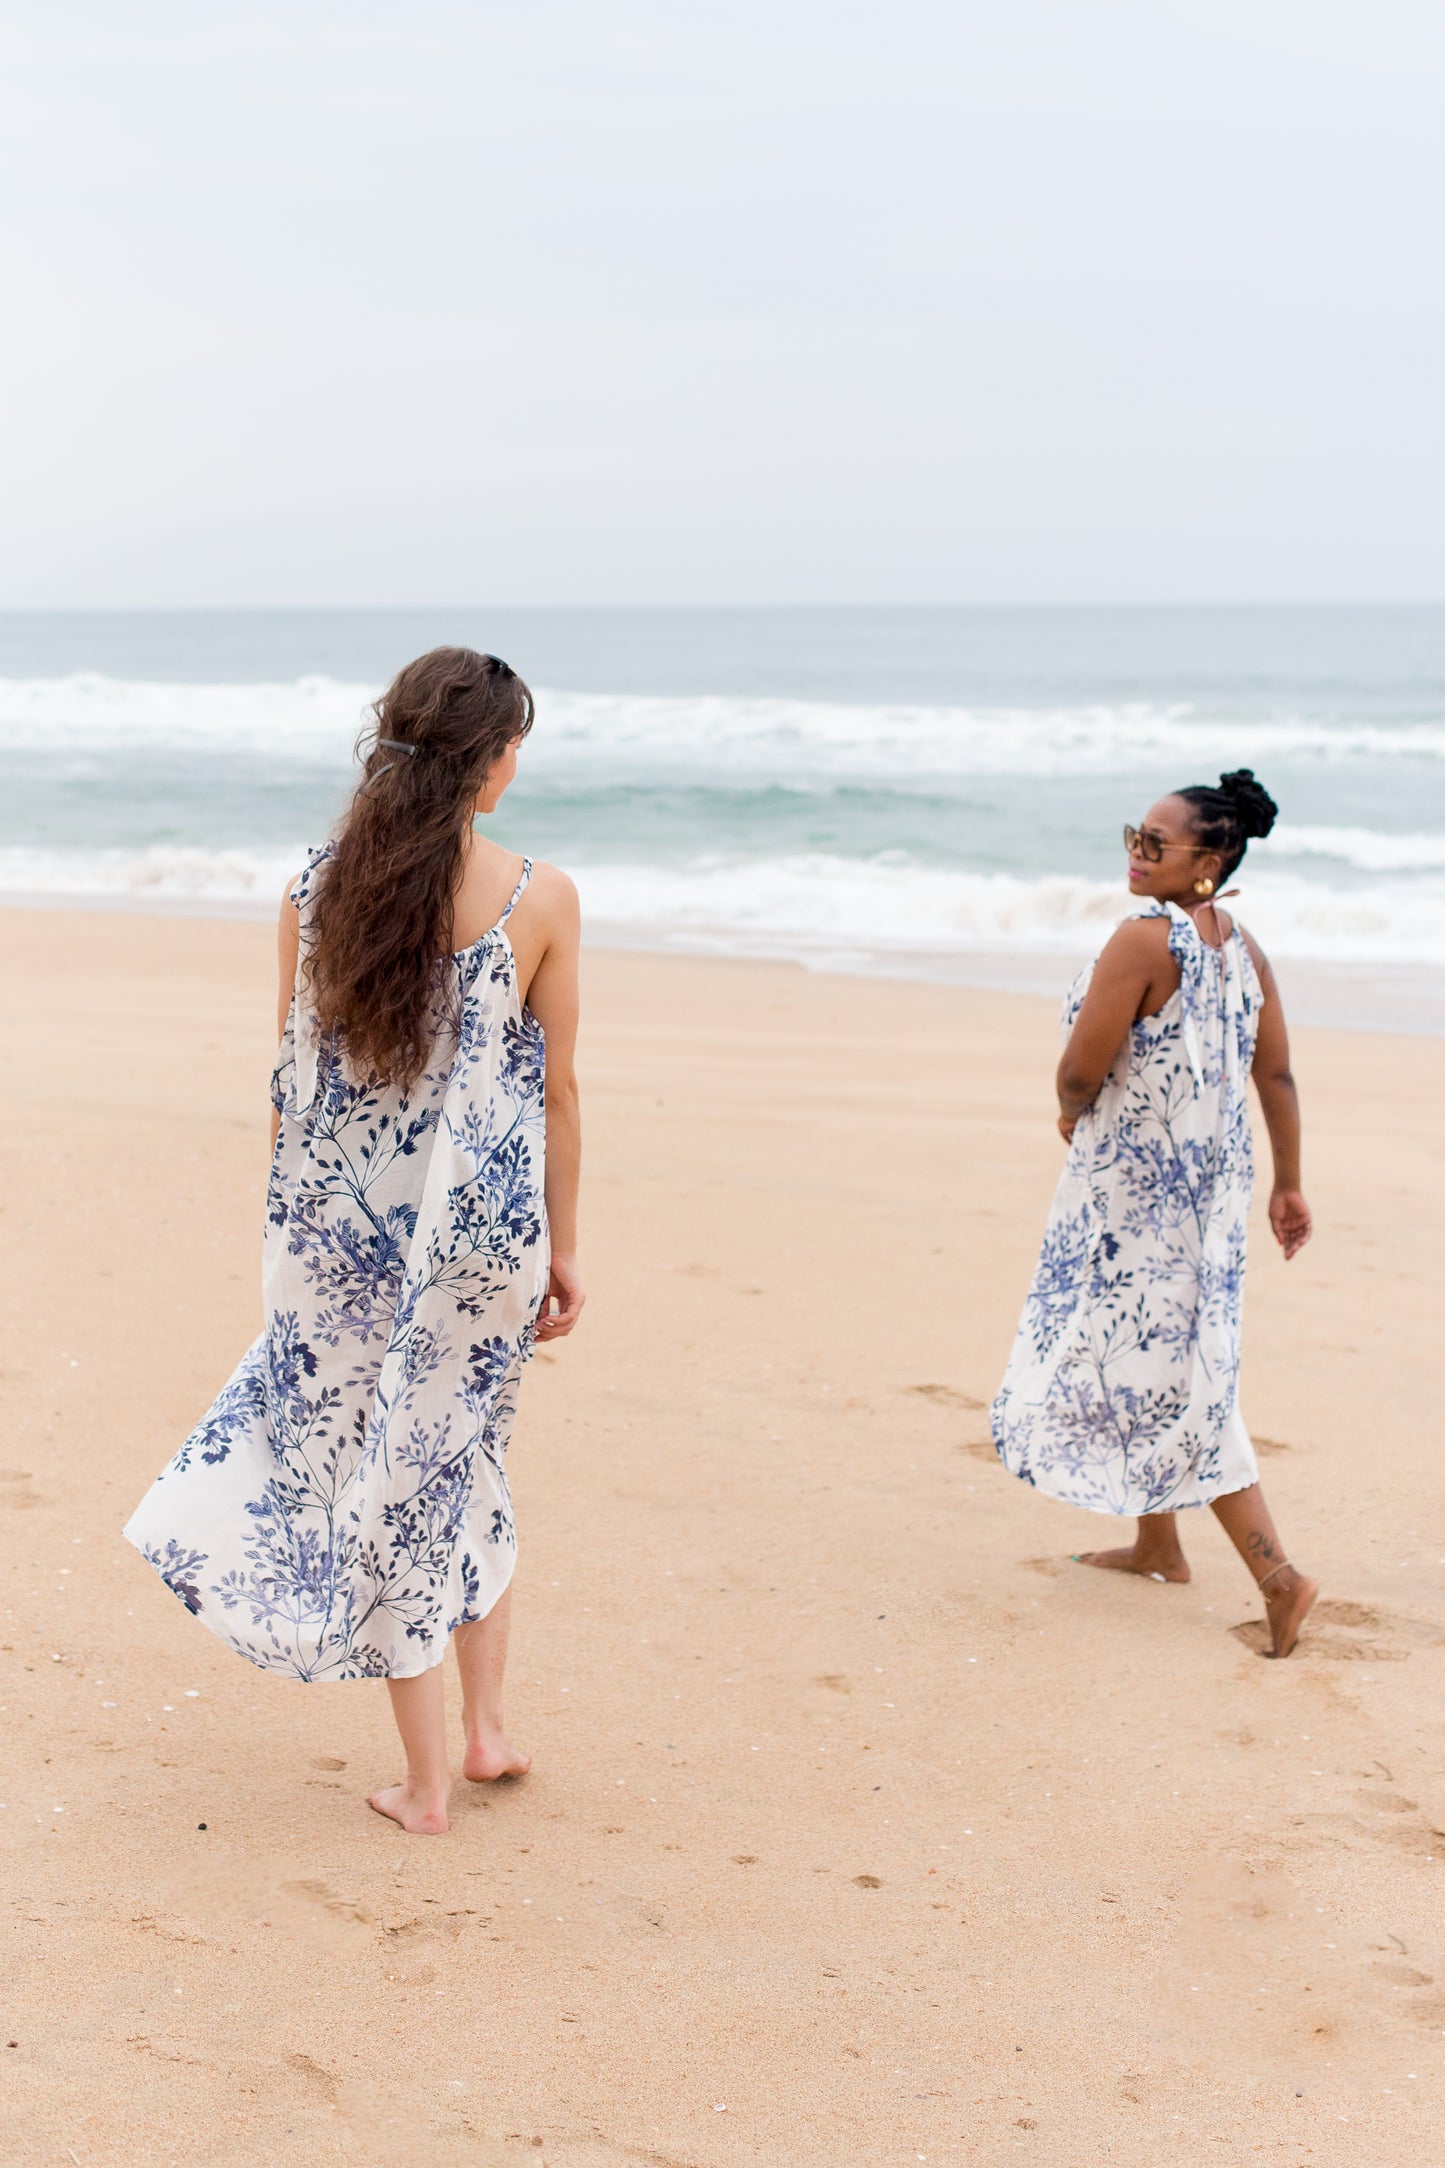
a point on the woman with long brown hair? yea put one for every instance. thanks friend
(342, 1511)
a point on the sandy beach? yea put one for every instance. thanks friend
(864, 1828)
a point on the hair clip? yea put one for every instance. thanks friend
(394, 745)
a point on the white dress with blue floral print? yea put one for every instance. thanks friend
(344, 1504)
(1121, 1391)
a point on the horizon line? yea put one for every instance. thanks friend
(359, 609)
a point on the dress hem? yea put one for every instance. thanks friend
(1228, 1488)
(290, 1671)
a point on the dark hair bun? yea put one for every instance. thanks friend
(1252, 804)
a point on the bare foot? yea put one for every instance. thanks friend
(420, 1815)
(1131, 1560)
(1287, 1608)
(490, 1755)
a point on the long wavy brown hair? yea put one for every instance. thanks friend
(383, 913)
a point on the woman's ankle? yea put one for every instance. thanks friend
(1160, 1557)
(1280, 1580)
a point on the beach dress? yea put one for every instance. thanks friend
(1121, 1390)
(344, 1503)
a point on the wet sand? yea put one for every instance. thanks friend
(864, 1828)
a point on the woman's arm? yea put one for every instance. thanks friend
(288, 950)
(552, 997)
(1126, 973)
(1289, 1215)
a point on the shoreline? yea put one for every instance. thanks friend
(1405, 1000)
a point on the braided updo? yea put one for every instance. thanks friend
(1229, 813)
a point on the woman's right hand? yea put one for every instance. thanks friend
(1289, 1216)
(564, 1287)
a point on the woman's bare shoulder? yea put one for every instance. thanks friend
(553, 889)
(1136, 941)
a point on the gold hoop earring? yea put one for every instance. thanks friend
(1204, 888)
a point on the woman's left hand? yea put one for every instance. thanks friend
(1289, 1216)
(1068, 1123)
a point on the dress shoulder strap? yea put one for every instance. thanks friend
(301, 1024)
(303, 888)
(516, 895)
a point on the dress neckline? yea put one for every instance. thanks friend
(1177, 912)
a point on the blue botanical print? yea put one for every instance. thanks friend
(344, 1503)
(179, 1570)
(1120, 1393)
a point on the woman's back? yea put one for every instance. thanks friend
(344, 1505)
(405, 1261)
(1210, 1018)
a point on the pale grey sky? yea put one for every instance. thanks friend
(405, 301)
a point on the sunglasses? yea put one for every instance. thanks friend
(1150, 848)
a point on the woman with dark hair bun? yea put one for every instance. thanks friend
(1122, 1389)
(342, 1512)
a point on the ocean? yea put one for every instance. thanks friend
(937, 792)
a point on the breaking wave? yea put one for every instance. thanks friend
(801, 743)
(805, 904)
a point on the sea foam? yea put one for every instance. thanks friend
(805, 903)
(802, 744)
(746, 823)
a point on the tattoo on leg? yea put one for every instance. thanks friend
(1259, 1544)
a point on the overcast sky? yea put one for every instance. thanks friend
(771, 301)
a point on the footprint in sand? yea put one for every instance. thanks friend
(1338, 1611)
(422, 1929)
(325, 1903)
(949, 1396)
(1390, 1818)
(1405, 1976)
(314, 2076)
(1339, 1631)
(979, 1449)
(946, 1396)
